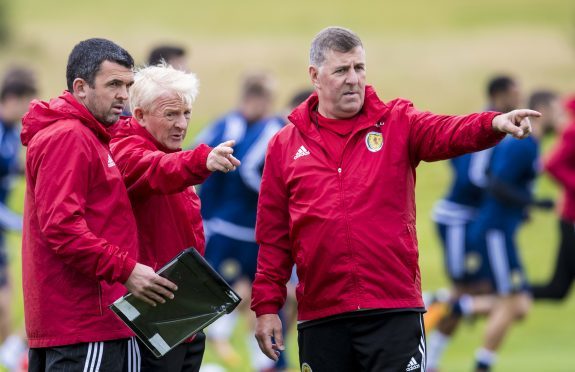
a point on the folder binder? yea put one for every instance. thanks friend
(202, 297)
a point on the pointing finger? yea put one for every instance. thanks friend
(228, 143)
(525, 113)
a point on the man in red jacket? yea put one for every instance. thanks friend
(79, 237)
(160, 178)
(337, 200)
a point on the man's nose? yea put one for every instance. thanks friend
(181, 122)
(123, 92)
(352, 77)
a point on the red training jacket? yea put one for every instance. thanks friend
(160, 185)
(79, 237)
(561, 165)
(349, 224)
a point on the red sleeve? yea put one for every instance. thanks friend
(272, 234)
(561, 162)
(61, 189)
(147, 170)
(438, 137)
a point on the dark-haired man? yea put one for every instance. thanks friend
(337, 199)
(80, 244)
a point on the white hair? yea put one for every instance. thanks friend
(151, 82)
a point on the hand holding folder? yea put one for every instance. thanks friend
(202, 297)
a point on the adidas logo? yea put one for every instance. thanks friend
(302, 151)
(412, 365)
(111, 161)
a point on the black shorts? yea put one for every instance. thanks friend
(186, 357)
(384, 342)
(105, 356)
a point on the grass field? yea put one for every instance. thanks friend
(438, 54)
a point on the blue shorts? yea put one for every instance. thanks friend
(463, 264)
(501, 263)
(232, 259)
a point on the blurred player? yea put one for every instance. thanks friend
(452, 216)
(229, 203)
(173, 55)
(17, 90)
(492, 236)
(561, 166)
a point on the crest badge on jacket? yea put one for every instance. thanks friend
(374, 141)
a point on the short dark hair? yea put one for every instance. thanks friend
(257, 84)
(87, 56)
(299, 97)
(541, 98)
(332, 38)
(499, 84)
(18, 82)
(165, 53)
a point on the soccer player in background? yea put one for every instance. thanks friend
(160, 179)
(337, 199)
(173, 55)
(492, 236)
(452, 216)
(17, 90)
(229, 203)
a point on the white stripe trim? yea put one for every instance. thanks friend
(455, 243)
(88, 355)
(99, 362)
(129, 352)
(497, 253)
(229, 230)
(448, 212)
(422, 342)
(137, 359)
(96, 355)
(254, 158)
(478, 167)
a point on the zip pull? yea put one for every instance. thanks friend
(379, 124)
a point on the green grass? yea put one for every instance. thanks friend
(439, 54)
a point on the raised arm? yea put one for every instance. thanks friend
(437, 137)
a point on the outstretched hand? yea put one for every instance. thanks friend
(515, 123)
(221, 158)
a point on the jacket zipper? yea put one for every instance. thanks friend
(100, 299)
(348, 233)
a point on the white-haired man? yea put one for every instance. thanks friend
(160, 179)
(337, 199)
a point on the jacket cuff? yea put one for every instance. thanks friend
(203, 152)
(129, 265)
(266, 309)
(493, 136)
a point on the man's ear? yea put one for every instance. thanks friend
(138, 114)
(313, 72)
(79, 87)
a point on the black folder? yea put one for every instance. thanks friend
(202, 297)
